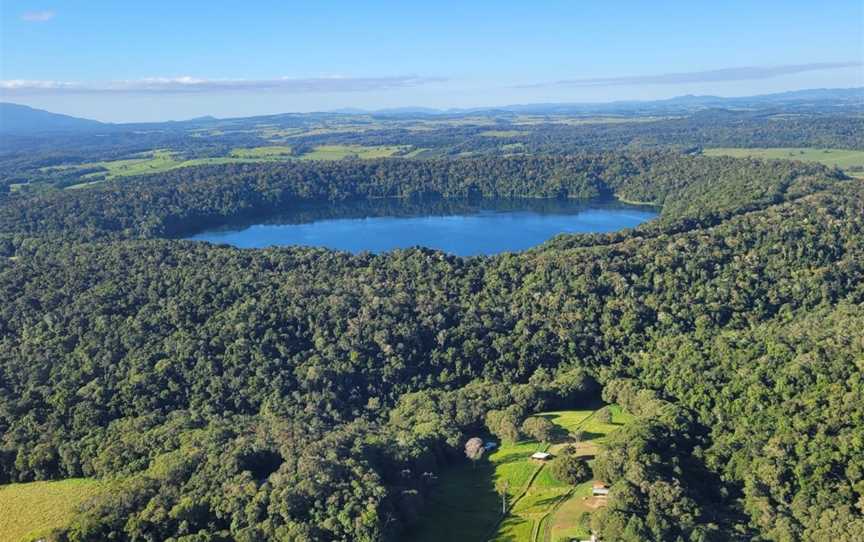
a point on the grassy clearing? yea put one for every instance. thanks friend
(32, 510)
(339, 152)
(466, 507)
(841, 158)
(160, 161)
(532, 514)
(564, 524)
(269, 151)
(503, 133)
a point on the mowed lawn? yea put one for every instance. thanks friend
(841, 158)
(465, 505)
(31, 510)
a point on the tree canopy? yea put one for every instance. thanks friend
(297, 394)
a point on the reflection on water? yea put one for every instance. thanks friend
(460, 227)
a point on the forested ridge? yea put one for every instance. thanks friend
(300, 394)
(184, 200)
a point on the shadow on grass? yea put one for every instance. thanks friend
(588, 436)
(463, 506)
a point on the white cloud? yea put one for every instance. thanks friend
(38, 16)
(186, 84)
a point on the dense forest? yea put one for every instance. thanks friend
(188, 199)
(301, 394)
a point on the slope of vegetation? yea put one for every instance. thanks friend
(302, 394)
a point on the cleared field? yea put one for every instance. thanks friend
(564, 523)
(156, 161)
(339, 152)
(466, 507)
(32, 510)
(841, 158)
(161, 160)
(263, 152)
(503, 133)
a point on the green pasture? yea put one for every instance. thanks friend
(465, 505)
(32, 510)
(842, 158)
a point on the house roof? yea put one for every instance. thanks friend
(540, 455)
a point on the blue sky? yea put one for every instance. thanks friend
(156, 60)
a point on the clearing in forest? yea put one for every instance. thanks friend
(848, 160)
(465, 505)
(32, 510)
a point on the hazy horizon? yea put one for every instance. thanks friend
(420, 106)
(164, 61)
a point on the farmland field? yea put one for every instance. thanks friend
(268, 151)
(31, 510)
(841, 158)
(160, 161)
(338, 152)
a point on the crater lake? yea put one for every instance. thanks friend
(463, 228)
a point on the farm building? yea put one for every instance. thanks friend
(541, 456)
(599, 489)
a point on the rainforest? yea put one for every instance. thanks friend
(302, 393)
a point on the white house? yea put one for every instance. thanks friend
(541, 456)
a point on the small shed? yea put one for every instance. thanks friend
(541, 456)
(491, 445)
(600, 489)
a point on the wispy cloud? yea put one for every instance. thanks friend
(708, 76)
(183, 85)
(38, 16)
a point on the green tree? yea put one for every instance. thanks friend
(538, 428)
(570, 469)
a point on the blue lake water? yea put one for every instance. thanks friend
(461, 228)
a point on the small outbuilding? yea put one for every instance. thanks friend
(600, 489)
(489, 446)
(541, 456)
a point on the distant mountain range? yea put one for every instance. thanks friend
(800, 98)
(22, 120)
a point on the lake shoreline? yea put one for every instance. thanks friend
(458, 226)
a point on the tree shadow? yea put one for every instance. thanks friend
(588, 436)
